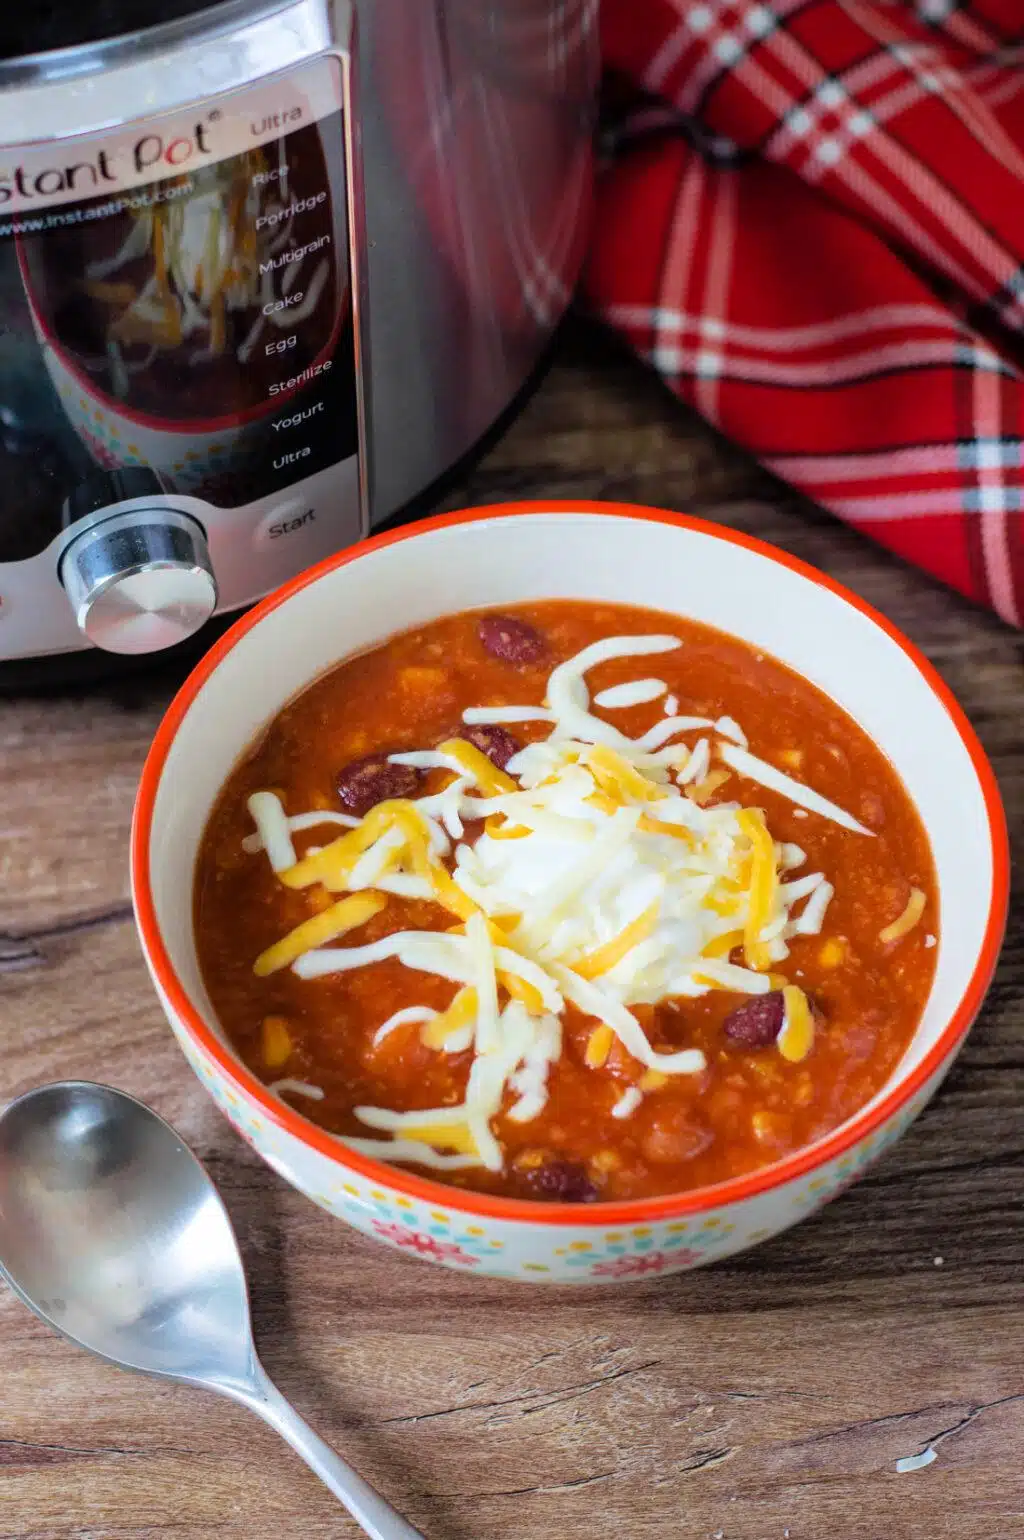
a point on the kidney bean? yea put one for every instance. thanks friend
(494, 741)
(559, 1181)
(365, 782)
(511, 640)
(758, 1022)
(672, 1135)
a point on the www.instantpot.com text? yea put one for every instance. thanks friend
(143, 199)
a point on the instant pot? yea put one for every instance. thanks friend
(266, 271)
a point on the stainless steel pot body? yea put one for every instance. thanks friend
(266, 271)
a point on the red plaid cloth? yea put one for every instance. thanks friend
(812, 225)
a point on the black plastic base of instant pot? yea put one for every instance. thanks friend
(69, 672)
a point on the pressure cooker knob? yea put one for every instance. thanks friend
(140, 581)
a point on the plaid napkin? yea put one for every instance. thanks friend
(812, 225)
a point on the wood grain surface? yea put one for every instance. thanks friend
(768, 1398)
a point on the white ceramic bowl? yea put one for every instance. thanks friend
(501, 556)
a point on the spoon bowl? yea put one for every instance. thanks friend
(112, 1232)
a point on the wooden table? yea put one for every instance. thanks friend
(768, 1398)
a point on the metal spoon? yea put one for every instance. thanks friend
(113, 1233)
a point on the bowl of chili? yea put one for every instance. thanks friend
(568, 892)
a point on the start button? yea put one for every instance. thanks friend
(283, 520)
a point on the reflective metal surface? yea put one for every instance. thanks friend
(434, 156)
(140, 581)
(112, 1232)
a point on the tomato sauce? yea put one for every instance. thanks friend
(750, 1106)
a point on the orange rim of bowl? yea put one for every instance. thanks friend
(673, 1205)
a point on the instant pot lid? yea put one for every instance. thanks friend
(39, 28)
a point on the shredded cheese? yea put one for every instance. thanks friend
(336, 921)
(297, 1088)
(296, 824)
(797, 1035)
(905, 923)
(410, 1016)
(275, 837)
(764, 774)
(628, 1102)
(602, 879)
(638, 692)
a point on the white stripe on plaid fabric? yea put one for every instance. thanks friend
(912, 463)
(814, 334)
(932, 75)
(997, 81)
(965, 30)
(713, 21)
(884, 507)
(672, 359)
(993, 499)
(726, 37)
(826, 153)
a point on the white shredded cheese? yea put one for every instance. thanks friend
(628, 1102)
(495, 716)
(698, 764)
(275, 837)
(253, 843)
(813, 915)
(637, 692)
(411, 1150)
(671, 707)
(764, 774)
(373, 863)
(730, 728)
(297, 1088)
(666, 729)
(569, 698)
(411, 1015)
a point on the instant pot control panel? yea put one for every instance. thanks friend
(180, 414)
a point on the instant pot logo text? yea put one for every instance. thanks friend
(152, 154)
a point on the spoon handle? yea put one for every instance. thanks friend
(367, 1507)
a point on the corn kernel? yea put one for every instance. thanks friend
(792, 758)
(770, 1128)
(277, 1042)
(832, 953)
(417, 680)
(653, 1080)
(606, 1160)
(803, 1092)
(599, 1046)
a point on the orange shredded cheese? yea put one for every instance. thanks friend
(906, 921)
(605, 957)
(763, 883)
(489, 778)
(336, 921)
(797, 1035)
(459, 1014)
(443, 1136)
